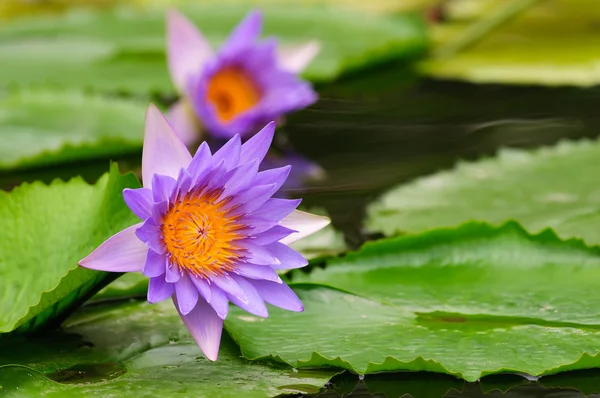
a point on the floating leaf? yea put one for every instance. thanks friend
(468, 302)
(549, 187)
(44, 232)
(39, 128)
(124, 49)
(548, 44)
(137, 348)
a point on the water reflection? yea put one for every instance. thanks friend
(432, 385)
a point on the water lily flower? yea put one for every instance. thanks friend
(210, 233)
(246, 84)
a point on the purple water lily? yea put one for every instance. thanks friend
(210, 233)
(239, 89)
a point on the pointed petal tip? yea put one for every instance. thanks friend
(305, 223)
(211, 356)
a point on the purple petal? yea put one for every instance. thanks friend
(187, 50)
(230, 152)
(150, 234)
(253, 198)
(187, 294)
(162, 187)
(273, 176)
(278, 294)
(241, 178)
(271, 235)
(288, 257)
(255, 303)
(182, 118)
(256, 254)
(184, 183)
(201, 162)
(256, 225)
(205, 327)
(254, 271)
(229, 286)
(305, 223)
(139, 201)
(202, 286)
(295, 59)
(173, 273)
(214, 178)
(258, 146)
(156, 264)
(219, 301)
(244, 34)
(159, 289)
(276, 209)
(122, 252)
(164, 153)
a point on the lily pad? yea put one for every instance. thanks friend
(124, 49)
(44, 232)
(549, 44)
(137, 348)
(42, 127)
(555, 187)
(469, 302)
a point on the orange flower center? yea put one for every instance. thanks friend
(200, 236)
(232, 92)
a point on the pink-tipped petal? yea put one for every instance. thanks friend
(296, 58)
(122, 252)
(184, 121)
(187, 50)
(205, 327)
(163, 153)
(305, 223)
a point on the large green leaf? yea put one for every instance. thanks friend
(124, 49)
(548, 44)
(43, 127)
(44, 232)
(469, 302)
(555, 187)
(138, 349)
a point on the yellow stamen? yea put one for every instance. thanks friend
(200, 235)
(232, 91)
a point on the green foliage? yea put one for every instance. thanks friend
(548, 44)
(548, 187)
(44, 232)
(124, 49)
(133, 349)
(468, 302)
(42, 127)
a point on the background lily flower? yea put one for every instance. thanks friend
(210, 232)
(246, 84)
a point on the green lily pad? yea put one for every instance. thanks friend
(137, 348)
(549, 44)
(553, 187)
(469, 302)
(44, 232)
(43, 127)
(124, 49)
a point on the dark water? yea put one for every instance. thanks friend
(373, 131)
